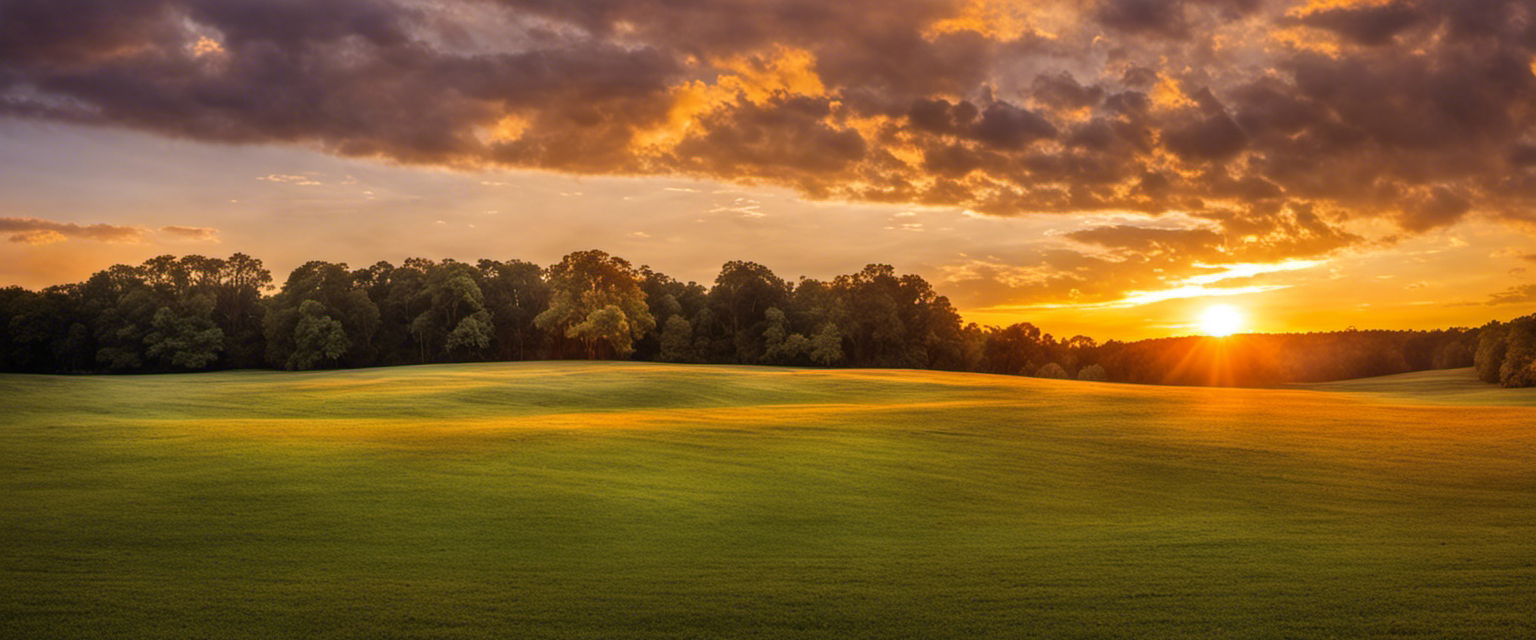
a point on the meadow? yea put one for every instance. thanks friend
(632, 500)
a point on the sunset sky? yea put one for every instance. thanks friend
(1099, 167)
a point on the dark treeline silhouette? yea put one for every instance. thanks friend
(196, 313)
(1506, 353)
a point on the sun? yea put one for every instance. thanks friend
(1221, 320)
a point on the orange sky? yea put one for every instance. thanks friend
(1109, 167)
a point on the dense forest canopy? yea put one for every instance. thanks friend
(197, 313)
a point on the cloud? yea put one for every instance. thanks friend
(1514, 295)
(36, 231)
(303, 181)
(196, 234)
(1414, 112)
(39, 237)
(1370, 25)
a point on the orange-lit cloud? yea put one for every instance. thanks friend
(1176, 139)
(1415, 111)
(196, 234)
(38, 237)
(36, 231)
(1520, 294)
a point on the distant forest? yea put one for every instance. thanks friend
(195, 313)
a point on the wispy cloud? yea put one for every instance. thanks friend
(36, 231)
(197, 234)
(302, 181)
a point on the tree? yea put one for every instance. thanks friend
(335, 289)
(238, 310)
(1491, 345)
(667, 298)
(780, 346)
(596, 300)
(471, 335)
(456, 322)
(515, 294)
(1051, 370)
(121, 329)
(608, 325)
(676, 341)
(869, 317)
(317, 338)
(741, 298)
(827, 346)
(400, 295)
(1011, 350)
(1519, 366)
(185, 336)
(1092, 373)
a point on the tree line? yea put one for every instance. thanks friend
(195, 313)
(1506, 353)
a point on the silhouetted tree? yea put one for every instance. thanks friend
(195, 312)
(184, 335)
(1492, 343)
(1519, 366)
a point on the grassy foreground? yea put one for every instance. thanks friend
(575, 500)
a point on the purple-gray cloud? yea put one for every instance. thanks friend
(1274, 120)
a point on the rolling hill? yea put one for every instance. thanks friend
(631, 500)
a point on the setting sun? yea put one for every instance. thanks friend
(1221, 320)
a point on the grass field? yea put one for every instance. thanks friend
(618, 500)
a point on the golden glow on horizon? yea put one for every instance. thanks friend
(1221, 320)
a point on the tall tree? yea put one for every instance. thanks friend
(1492, 343)
(456, 323)
(597, 302)
(676, 341)
(336, 291)
(318, 339)
(184, 335)
(238, 310)
(1519, 366)
(515, 294)
(741, 298)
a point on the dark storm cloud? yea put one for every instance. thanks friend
(1164, 17)
(1368, 25)
(1275, 121)
(1168, 18)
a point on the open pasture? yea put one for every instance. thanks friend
(628, 500)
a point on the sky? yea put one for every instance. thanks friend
(1099, 167)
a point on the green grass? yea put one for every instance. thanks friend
(1448, 386)
(575, 500)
